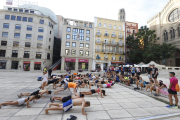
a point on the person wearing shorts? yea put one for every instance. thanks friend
(92, 91)
(105, 85)
(154, 74)
(68, 85)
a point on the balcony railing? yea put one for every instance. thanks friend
(113, 59)
(119, 52)
(120, 36)
(98, 58)
(113, 36)
(120, 59)
(98, 42)
(98, 34)
(105, 58)
(121, 44)
(111, 43)
(106, 34)
(98, 50)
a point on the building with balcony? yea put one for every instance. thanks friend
(27, 37)
(109, 37)
(76, 44)
(167, 27)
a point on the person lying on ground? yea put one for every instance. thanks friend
(106, 85)
(92, 91)
(161, 88)
(22, 101)
(68, 105)
(68, 85)
(141, 82)
(65, 99)
(151, 86)
(41, 92)
(54, 82)
(84, 83)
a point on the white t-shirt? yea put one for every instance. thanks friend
(45, 78)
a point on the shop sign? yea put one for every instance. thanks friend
(83, 60)
(70, 60)
(37, 62)
(26, 62)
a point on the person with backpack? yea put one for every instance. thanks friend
(173, 89)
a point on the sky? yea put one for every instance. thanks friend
(139, 11)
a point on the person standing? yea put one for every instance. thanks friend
(154, 74)
(133, 71)
(172, 91)
(150, 72)
(49, 72)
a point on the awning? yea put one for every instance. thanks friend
(117, 62)
(26, 62)
(37, 62)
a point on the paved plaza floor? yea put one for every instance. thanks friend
(121, 103)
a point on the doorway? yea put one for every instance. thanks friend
(14, 65)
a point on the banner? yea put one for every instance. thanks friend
(83, 65)
(9, 2)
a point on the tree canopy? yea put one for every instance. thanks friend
(144, 47)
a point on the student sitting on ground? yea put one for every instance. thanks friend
(131, 79)
(151, 86)
(141, 82)
(161, 88)
(22, 101)
(41, 92)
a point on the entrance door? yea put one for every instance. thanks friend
(14, 65)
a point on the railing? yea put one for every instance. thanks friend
(120, 36)
(119, 52)
(120, 59)
(98, 34)
(111, 43)
(113, 59)
(98, 58)
(98, 42)
(98, 50)
(113, 35)
(106, 34)
(121, 44)
(105, 58)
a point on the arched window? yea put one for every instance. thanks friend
(115, 27)
(172, 32)
(110, 26)
(175, 15)
(165, 36)
(99, 24)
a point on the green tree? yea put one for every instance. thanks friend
(144, 47)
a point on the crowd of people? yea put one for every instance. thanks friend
(107, 80)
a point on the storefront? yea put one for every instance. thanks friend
(69, 64)
(98, 66)
(37, 65)
(83, 64)
(117, 63)
(26, 65)
(3, 64)
(14, 65)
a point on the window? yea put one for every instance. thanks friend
(67, 51)
(87, 39)
(4, 34)
(26, 11)
(68, 37)
(16, 35)
(98, 40)
(38, 55)
(73, 44)
(18, 18)
(115, 27)
(49, 47)
(14, 53)
(87, 32)
(50, 32)
(99, 24)
(105, 25)
(105, 56)
(31, 11)
(84, 25)
(172, 33)
(29, 28)
(41, 22)
(15, 44)
(113, 57)
(26, 54)
(3, 43)
(81, 45)
(27, 44)
(97, 56)
(7, 17)
(75, 32)
(119, 27)
(49, 39)
(40, 37)
(81, 52)
(120, 42)
(24, 19)
(18, 27)
(179, 31)
(90, 26)
(175, 15)
(68, 29)
(39, 45)
(10, 9)
(113, 41)
(30, 19)
(73, 52)
(2, 53)
(48, 56)
(6, 25)
(87, 53)
(15, 9)
(28, 36)
(133, 31)
(20, 10)
(41, 29)
(87, 45)
(165, 36)
(67, 44)
(49, 24)
(110, 26)
(81, 34)
(13, 17)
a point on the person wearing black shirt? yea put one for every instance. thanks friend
(150, 72)
(155, 74)
(49, 72)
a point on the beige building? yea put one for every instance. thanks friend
(26, 39)
(167, 26)
(76, 44)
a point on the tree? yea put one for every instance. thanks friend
(144, 47)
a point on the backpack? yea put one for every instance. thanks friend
(177, 87)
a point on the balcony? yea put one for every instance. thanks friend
(98, 58)
(113, 59)
(98, 50)
(106, 35)
(98, 34)
(105, 58)
(120, 36)
(119, 52)
(113, 35)
(122, 44)
(98, 42)
(120, 59)
(110, 43)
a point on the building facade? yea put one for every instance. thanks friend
(167, 26)
(27, 38)
(109, 40)
(76, 44)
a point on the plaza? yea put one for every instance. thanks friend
(121, 102)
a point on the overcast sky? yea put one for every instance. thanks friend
(139, 11)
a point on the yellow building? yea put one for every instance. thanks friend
(109, 42)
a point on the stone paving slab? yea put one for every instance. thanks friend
(121, 103)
